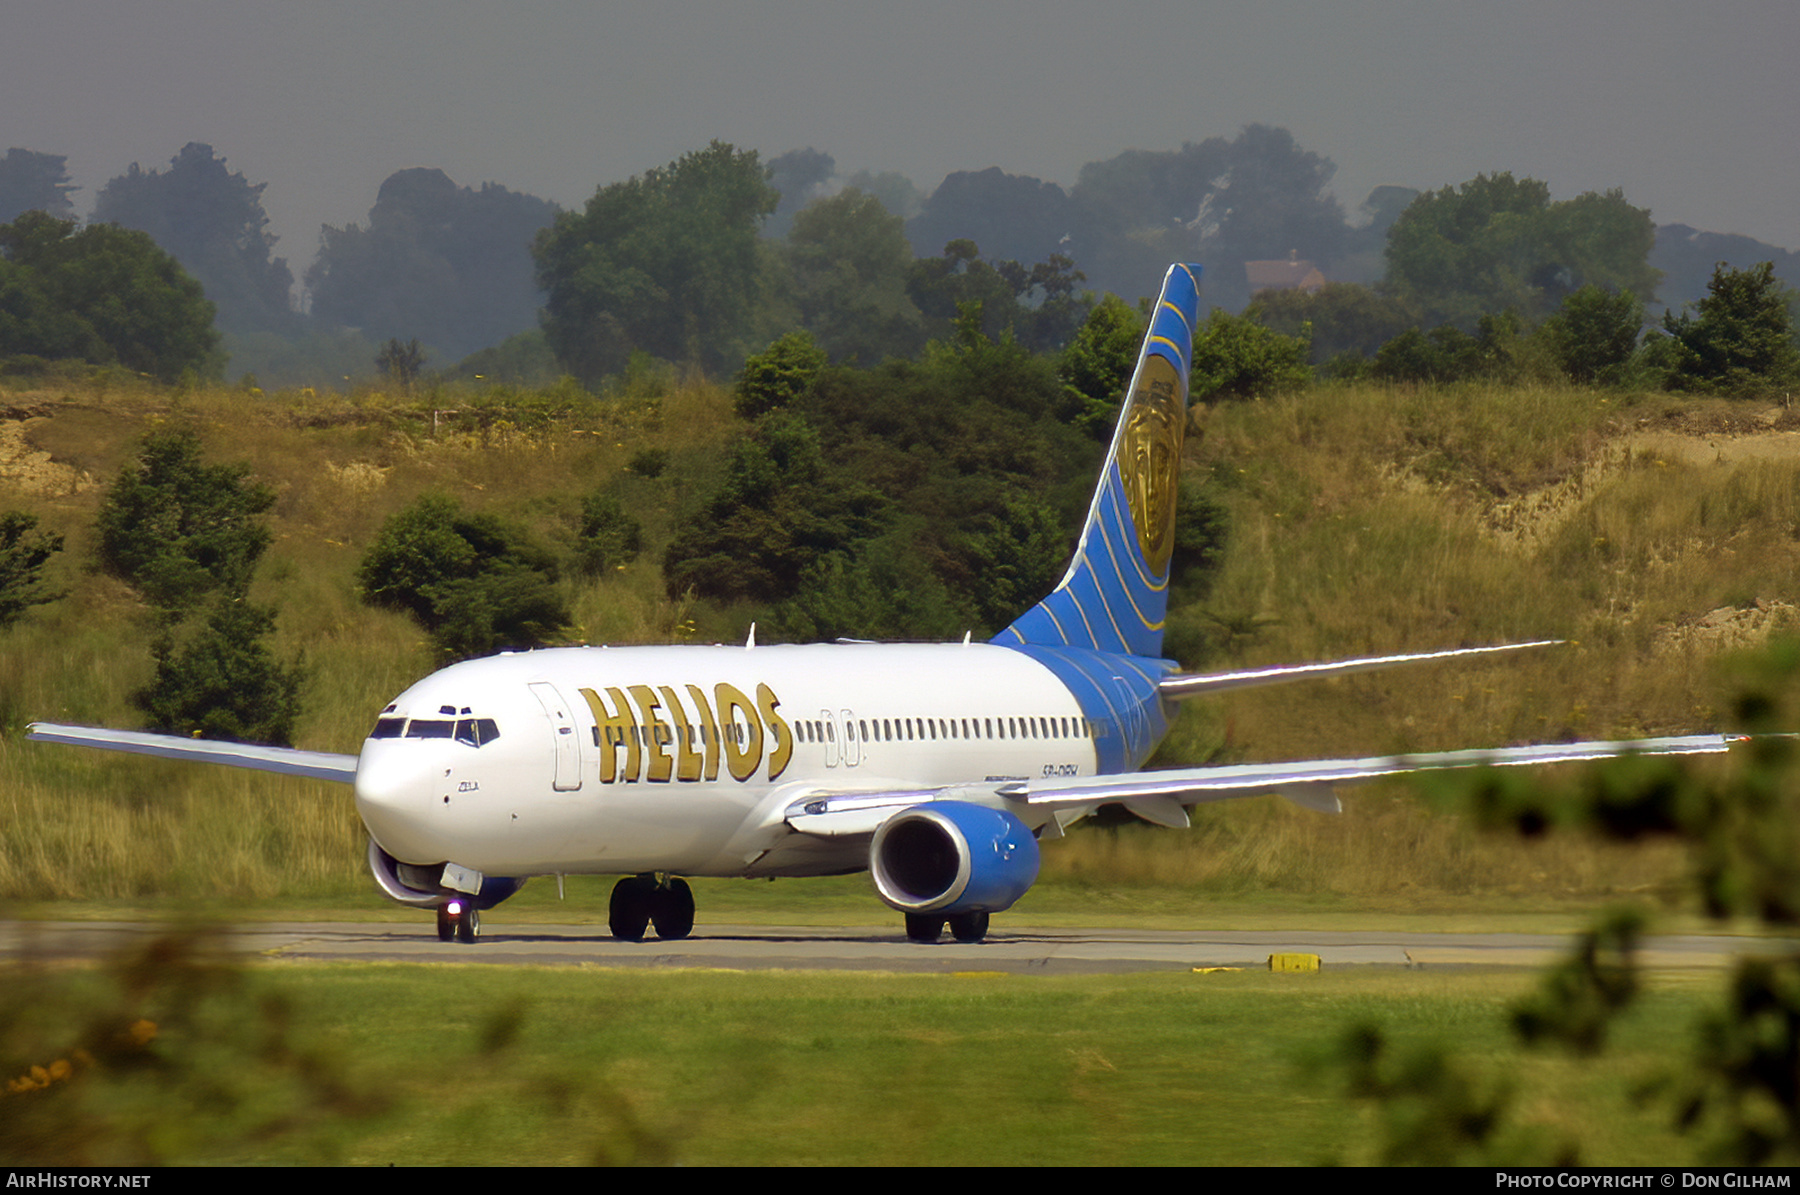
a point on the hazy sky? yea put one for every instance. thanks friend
(1690, 108)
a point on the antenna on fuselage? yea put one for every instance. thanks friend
(750, 642)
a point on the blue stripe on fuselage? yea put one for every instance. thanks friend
(1116, 691)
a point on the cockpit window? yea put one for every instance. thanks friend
(476, 732)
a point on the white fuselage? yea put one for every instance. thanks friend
(685, 759)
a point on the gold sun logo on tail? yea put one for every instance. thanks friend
(1149, 455)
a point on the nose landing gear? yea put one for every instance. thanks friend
(459, 920)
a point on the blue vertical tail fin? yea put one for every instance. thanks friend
(1115, 595)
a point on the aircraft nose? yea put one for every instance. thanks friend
(395, 790)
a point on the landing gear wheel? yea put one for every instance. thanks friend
(468, 926)
(628, 913)
(672, 909)
(969, 927)
(446, 925)
(924, 927)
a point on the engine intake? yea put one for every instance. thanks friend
(417, 885)
(953, 857)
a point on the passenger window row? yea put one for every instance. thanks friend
(917, 729)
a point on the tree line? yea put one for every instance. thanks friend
(507, 285)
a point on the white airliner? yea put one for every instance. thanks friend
(935, 767)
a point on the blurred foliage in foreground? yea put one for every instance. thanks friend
(1736, 1085)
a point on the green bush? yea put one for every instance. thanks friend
(475, 583)
(223, 683)
(1499, 351)
(882, 593)
(1236, 357)
(778, 375)
(23, 553)
(1095, 366)
(1594, 333)
(180, 530)
(1741, 340)
(649, 463)
(1018, 558)
(779, 509)
(607, 538)
(102, 294)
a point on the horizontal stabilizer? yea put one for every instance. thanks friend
(315, 765)
(1181, 686)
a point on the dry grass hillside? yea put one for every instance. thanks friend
(1655, 535)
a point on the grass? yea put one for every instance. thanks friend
(416, 1065)
(1363, 519)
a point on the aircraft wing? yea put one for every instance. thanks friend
(1164, 797)
(316, 765)
(1181, 686)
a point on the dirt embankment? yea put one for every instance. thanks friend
(28, 467)
(1696, 438)
(1705, 436)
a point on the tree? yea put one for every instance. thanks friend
(1498, 350)
(1016, 216)
(880, 592)
(1236, 357)
(1595, 332)
(778, 375)
(1344, 317)
(1741, 340)
(223, 683)
(1019, 558)
(850, 260)
(897, 193)
(101, 294)
(666, 262)
(23, 553)
(401, 362)
(607, 537)
(778, 511)
(1688, 256)
(1498, 242)
(187, 534)
(181, 530)
(800, 176)
(211, 220)
(33, 181)
(1220, 201)
(958, 280)
(1038, 305)
(475, 583)
(1095, 366)
(450, 266)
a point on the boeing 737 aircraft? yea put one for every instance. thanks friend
(935, 767)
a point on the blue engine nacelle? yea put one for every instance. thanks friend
(953, 857)
(411, 884)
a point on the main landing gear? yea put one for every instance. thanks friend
(964, 927)
(459, 920)
(655, 898)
